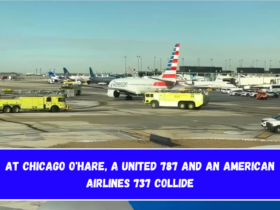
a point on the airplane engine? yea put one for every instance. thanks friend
(113, 93)
(116, 94)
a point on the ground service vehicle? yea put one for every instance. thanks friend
(235, 93)
(246, 92)
(262, 96)
(37, 103)
(272, 94)
(225, 90)
(265, 120)
(253, 94)
(181, 99)
(273, 126)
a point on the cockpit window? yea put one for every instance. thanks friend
(61, 99)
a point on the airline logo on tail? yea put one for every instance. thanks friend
(91, 72)
(66, 72)
(168, 78)
(51, 74)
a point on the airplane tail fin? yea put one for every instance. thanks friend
(66, 72)
(171, 70)
(51, 74)
(91, 72)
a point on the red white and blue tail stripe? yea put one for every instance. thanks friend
(170, 72)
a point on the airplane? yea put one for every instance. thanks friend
(77, 77)
(99, 80)
(29, 74)
(139, 86)
(220, 82)
(54, 78)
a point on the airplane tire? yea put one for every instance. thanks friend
(128, 97)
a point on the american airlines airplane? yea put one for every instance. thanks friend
(139, 86)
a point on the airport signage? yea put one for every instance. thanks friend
(134, 174)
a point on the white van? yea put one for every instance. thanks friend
(274, 88)
(225, 90)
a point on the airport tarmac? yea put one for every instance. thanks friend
(94, 117)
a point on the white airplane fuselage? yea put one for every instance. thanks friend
(79, 77)
(138, 86)
(214, 84)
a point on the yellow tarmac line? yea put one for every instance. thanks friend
(138, 133)
(264, 135)
(141, 133)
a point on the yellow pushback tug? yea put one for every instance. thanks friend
(52, 103)
(183, 99)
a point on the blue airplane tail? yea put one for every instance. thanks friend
(66, 72)
(91, 72)
(51, 74)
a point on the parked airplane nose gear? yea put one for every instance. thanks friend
(128, 97)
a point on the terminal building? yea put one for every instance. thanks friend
(200, 70)
(250, 70)
(274, 71)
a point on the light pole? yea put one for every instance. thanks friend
(241, 62)
(253, 64)
(160, 64)
(229, 63)
(183, 61)
(125, 64)
(211, 62)
(141, 63)
(264, 65)
(270, 64)
(154, 63)
(138, 56)
(256, 63)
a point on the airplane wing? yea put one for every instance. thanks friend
(164, 80)
(196, 86)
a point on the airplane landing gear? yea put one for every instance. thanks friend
(128, 97)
